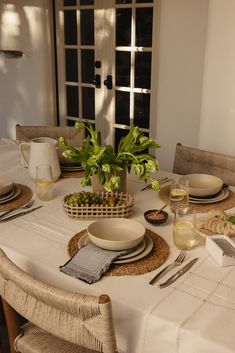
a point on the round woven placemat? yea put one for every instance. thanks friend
(149, 263)
(229, 202)
(25, 195)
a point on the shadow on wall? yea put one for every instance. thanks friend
(23, 26)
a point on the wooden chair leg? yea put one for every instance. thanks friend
(13, 324)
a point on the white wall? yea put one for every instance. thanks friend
(26, 89)
(218, 105)
(182, 37)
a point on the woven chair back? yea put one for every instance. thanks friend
(73, 135)
(80, 319)
(192, 160)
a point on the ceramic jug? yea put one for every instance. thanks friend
(42, 150)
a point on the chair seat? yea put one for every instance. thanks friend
(34, 340)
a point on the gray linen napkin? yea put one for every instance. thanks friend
(91, 262)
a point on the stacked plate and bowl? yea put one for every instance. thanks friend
(117, 234)
(8, 190)
(205, 188)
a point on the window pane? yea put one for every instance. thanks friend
(143, 1)
(144, 21)
(88, 65)
(72, 101)
(86, 2)
(71, 65)
(123, 27)
(70, 122)
(88, 103)
(70, 2)
(119, 133)
(87, 27)
(123, 66)
(70, 27)
(141, 110)
(123, 1)
(143, 70)
(122, 108)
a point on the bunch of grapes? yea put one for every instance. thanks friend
(85, 198)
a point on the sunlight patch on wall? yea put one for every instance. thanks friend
(10, 26)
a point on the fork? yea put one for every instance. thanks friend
(178, 261)
(28, 205)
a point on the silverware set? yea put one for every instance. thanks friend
(177, 262)
(161, 180)
(19, 211)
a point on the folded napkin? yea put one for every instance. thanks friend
(91, 262)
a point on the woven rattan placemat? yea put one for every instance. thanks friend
(25, 195)
(229, 202)
(149, 263)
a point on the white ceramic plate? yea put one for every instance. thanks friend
(6, 185)
(147, 250)
(7, 195)
(136, 255)
(71, 168)
(222, 195)
(84, 240)
(16, 193)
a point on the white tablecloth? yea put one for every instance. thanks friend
(195, 314)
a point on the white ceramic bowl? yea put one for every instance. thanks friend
(203, 184)
(116, 233)
(6, 185)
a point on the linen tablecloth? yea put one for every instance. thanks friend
(195, 314)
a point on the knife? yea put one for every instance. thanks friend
(178, 274)
(20, 214)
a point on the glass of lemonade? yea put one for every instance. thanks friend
(179, 196)
(44, 182)
(185, 233)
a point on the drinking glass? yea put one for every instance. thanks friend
(185, 232)
(179, 196)
(44, 182)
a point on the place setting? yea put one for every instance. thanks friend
(15, 200)
(114, 247)
(203, 191)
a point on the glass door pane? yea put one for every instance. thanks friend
(105, 64)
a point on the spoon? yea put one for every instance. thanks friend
(162, 208)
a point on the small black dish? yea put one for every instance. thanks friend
(161, 217)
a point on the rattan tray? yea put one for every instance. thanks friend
(100, 211)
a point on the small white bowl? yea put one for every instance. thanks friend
(203, 184)
(6, 185)
(116, 233)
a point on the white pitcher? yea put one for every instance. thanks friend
(42, 151)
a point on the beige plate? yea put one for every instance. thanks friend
(84, 240)
(223, 194)
(143, 250)
(17, 192)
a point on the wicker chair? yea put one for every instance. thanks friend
(27, 133)
(192, 160)
(58, 321)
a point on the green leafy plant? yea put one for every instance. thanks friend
(103, 162)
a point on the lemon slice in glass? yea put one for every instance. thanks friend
(44, 183)
(178, 194)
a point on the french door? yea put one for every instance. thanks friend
(106, 64)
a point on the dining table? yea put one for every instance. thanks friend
(194, 314)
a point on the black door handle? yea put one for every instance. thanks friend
(109, 82)
(97, 81)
